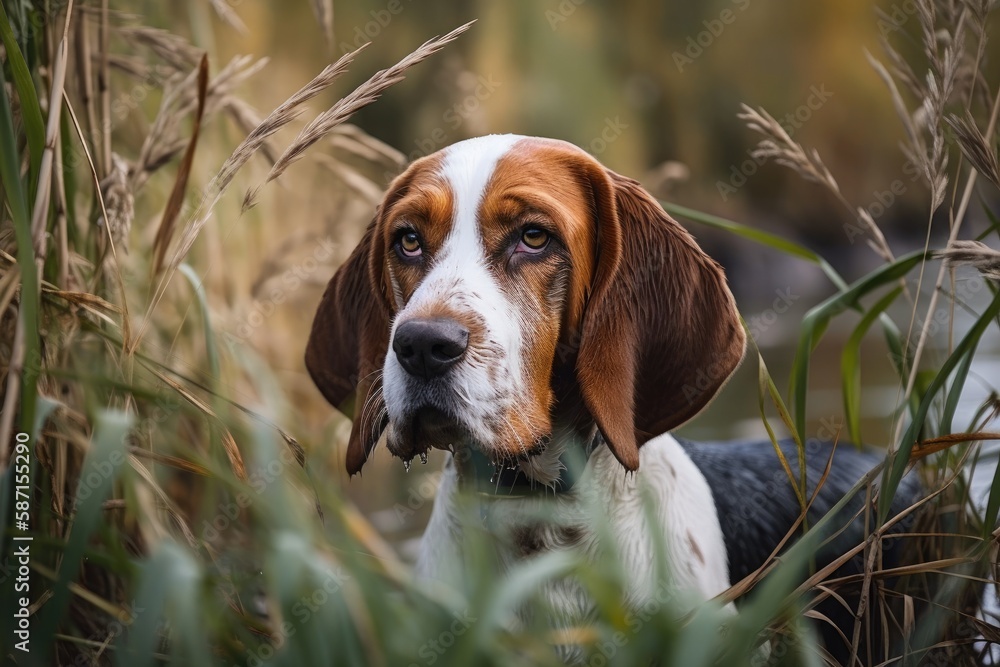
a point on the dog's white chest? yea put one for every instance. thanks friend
(668, 499)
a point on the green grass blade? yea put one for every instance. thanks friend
(773, 595)
(900, 459)
(850, 364)
(766, 386)
(992, 506)
(816, 320)
(524, 580)
(955, 393)
(901, 359)
(758, 236)
(994, 225)
(45, 408)
(31, 113)
(158, 578)
(786, 419)
(211, 349)
(951, 402)
(97, 477)
(893, 336)
(212, 354)
(17, 202)
(184, 606)
(698, 644)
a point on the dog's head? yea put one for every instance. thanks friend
(493, 267)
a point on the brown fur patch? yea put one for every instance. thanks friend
(549, 288)
(424, 203)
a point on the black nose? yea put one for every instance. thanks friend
(428, 347)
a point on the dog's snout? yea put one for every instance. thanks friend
(428, 347)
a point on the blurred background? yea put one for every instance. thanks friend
(650, 88)
(157, 296)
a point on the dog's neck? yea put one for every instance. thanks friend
(555, 469)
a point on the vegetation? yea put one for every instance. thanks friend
(174, 520)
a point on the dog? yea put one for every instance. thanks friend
(544, 321)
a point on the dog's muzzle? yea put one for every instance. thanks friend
(426, 349)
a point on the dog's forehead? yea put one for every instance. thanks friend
(466, 198)
(447, 186)
(470, 165)
(477, 175)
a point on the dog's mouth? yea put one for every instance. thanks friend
(424, 429)
(429, 427)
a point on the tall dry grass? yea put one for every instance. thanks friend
(948, 112)
(113, 368)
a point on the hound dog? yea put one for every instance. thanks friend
(521, 306)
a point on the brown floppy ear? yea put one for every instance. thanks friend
(661, 333)
(347, 346)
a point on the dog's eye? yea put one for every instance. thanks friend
(533, 239)
(409, 244)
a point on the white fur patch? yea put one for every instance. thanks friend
(681, 505)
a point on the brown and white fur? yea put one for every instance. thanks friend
(618, 324)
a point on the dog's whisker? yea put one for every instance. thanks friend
(375, 373)
(382, 415)
(375, 395)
